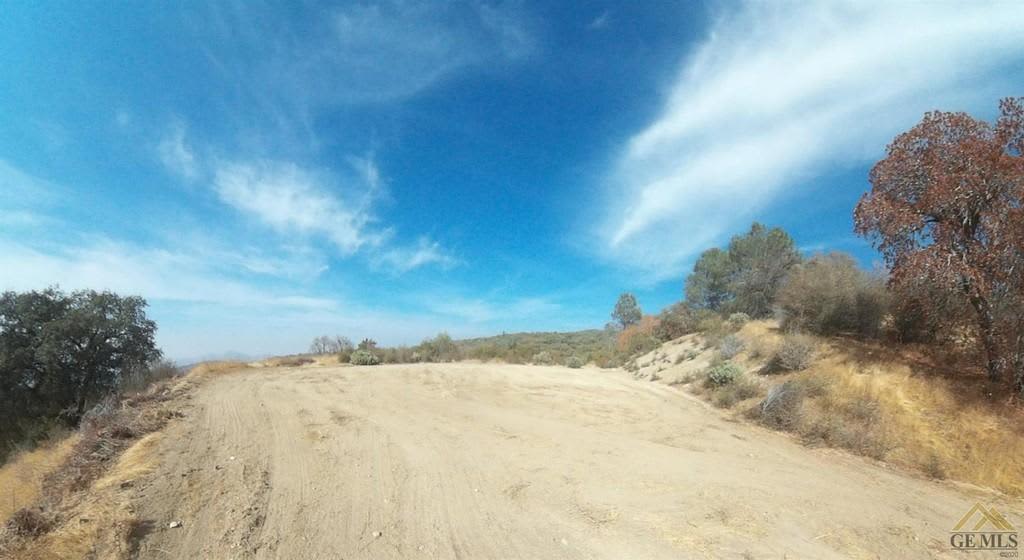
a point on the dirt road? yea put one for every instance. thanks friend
(495, 461)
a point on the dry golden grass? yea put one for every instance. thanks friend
(80, 502)
(22, 477)
(214, 368)
(887, 403)
(97, 523)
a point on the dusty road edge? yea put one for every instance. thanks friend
(86, 507)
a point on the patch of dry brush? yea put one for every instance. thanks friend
(76, 514)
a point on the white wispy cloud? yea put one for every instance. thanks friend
(295, 200)
(156, 273)
(174, 151)
(400, 260)
(291, 199)
(780, 91)
(358, 52)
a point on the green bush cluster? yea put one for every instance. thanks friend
(724, 373)
(364, 358)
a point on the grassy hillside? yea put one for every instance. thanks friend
(895, 406)
(593, 345)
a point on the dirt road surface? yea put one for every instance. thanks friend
(501, 461)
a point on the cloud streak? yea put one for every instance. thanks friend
(291, 199)
(779, 92)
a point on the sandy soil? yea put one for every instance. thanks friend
(500, 461)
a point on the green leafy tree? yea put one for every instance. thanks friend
(59, 353)
(708, 286)
(744, 277)
(760, 259)
(627, 311)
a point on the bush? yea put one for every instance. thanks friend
(783, 407)
(830, 294)
(28, 523)
(138, 379)
(364, 358)
(674, 322)
(441, 348)
(730, 346)
(737, 320)
(639, 338)
(542, 358)
(741, 389)
(574, 362)
(724, 373)
(794, 354)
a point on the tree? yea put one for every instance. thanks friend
(946, 206)
(627, 311)
(319, 345)
(744, 277)
(330, 345)
(368, 344)
(760, 260)
(60, 352)
(341, 344)
(708, 286)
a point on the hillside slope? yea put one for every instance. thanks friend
(875, 401)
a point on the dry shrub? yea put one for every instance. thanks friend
(204, 369)
(542, 358)
(737, 320)
(28, 522)
(742, 388)
(782, 408)
(293, 361)
(675, 321)
(730, 346)
(795, 353)
(830, 294)
(639, 338)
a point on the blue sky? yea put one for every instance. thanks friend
(265, 173)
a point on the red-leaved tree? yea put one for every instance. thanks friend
(946, 209)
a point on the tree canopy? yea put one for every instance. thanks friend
(946, 206)
(627, 311)
(61, 352)
(745, 276)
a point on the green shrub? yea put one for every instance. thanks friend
(795, 353)
(724, 373)
(364, 358)
(574, 362)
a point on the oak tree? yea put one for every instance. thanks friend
(946, 207)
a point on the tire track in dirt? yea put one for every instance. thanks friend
(496, 461)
